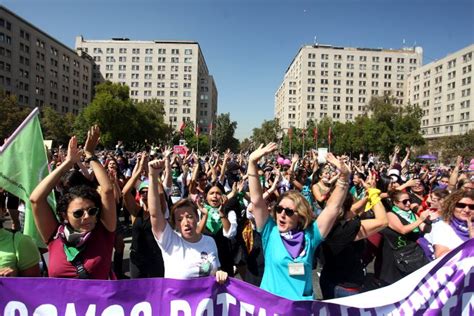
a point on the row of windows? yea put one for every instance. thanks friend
(109, 75)
(375, 59)
(147, 51)
(174, 60)
(146, 68)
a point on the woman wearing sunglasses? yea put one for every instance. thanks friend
(186, 252)
(290, 235)
(456, 225)
(400, 239)
(80, 245)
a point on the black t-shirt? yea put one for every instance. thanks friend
(343, 263)
(145, 253)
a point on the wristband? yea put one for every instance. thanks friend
(92, 158)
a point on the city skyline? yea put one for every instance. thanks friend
(249, 45)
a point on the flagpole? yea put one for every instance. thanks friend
(19, 128)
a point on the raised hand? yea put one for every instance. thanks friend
(93, 137)
(156, 166)
(73, 153)
(262, 151)
(295, 158)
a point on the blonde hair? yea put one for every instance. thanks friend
(302, 207)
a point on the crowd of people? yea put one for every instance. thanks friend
(268, 219)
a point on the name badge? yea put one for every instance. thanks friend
(296, 268)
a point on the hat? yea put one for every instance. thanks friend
(394, 174)
(143, 185)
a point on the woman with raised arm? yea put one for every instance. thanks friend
(290, 236)
(186, 253)
(146, 260)
(80, 244)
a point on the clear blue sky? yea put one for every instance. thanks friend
(249, 44)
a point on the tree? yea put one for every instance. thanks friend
(268, 132)
(12, 115)
(122, 119)
(223, 133)
(56, 127)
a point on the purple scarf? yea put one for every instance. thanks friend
(293, 241)
(460, 228)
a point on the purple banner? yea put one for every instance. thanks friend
(445, 286)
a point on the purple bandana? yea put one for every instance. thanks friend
(460, 228)
(294, 242)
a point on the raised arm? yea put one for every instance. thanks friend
(43, 214)
(395, 156)
(328, 216)
(453, 179)
(155, 206)
(128, 199)
(260, 210)
(405, 160)
(168, 180)
(225, 160)
(108, 216)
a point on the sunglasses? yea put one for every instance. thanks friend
(92, 211)
(143, 192)
(288, 211)
(404, 202)
(463, 206)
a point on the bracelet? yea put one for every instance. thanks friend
(342, 182)
(252, 175)
(91, 158)
(223, 216)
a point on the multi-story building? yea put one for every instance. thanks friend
(338, 82)
(40, 70)
(444, 91)
(173, 72)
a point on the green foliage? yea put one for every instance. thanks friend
(56, 127)
(268, 132)
(379, 130)
(12, 115)
(223, 133)
(122, 119)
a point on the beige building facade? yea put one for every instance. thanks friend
(173, 72)
(444, 91)
(39, 70)
(338, 82)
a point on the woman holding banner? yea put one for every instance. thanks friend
(186, 253)
(291, 235)
(80, 246)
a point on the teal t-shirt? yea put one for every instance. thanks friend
(276, 278)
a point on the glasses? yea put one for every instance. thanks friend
(91, 211)
(143, 192)
(288, 211)
(404, 202)
(463, 206)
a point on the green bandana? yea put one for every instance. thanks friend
(71, 252)
(408, 216)
(213, 223)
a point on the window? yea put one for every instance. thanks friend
(148, 51)
(110, 50)
(188, 51)
(122, 50)
(175, 51)
(161, 51)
